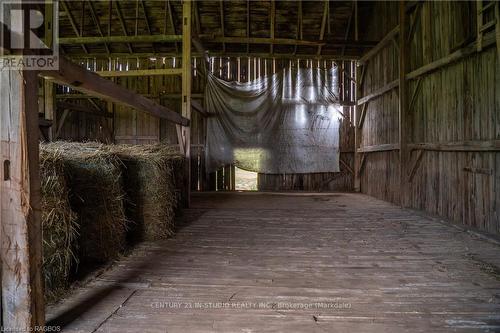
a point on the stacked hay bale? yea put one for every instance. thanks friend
(94, 177)
(149, 180)
(60, 229)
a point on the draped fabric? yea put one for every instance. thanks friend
(287, 122)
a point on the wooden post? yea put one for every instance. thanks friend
(357, 131)
(20, 232)
(227, 177)
(186, 91)
(403, 133)
(49, 107)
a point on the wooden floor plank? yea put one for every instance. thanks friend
(262, 262)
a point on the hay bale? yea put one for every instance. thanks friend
(59, 227)
(94, 177)
(150, 183)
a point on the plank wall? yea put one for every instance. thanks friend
(457, 102)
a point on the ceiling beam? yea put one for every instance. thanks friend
(121, 39)
(141, 72)
(209, 38)
(72, 75)
(215, 54)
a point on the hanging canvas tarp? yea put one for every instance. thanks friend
(284, 123)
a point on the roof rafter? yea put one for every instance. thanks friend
(97, 24)
(272, 24)
(222, 29)
(323, 24)
(122, 23)
(72, 22)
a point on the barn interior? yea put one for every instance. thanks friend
(251, 166)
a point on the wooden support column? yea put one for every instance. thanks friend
(403, 106)
(186, 91)
(49, 99)
(357, 129)
(20, 218)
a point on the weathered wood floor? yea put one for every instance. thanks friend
(296, 263)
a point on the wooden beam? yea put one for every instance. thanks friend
(323, 24)
(379, 148)
(356, 20)
(416, 163)
(80, 79)
(146, 20)
(263, 55)
(123, 24)
(60, 125)
(211, 38)
(20, 211)
(357, 129)
(141, 72)
(362, 116)
(347, 166)
(348, 27)
(168, 5)
(186, 93)
(204, 52)
(248, 24)
(97, 24)
(196, 18)
(260, 40)
(73, 23)
(453, 57)
(403, 105)
(49, 100)
(464, 146)
(151, 96)
(362, 163)
(299, 35)
(272, 24)
(378, 92)
(415, 21)
(386, 40)
(497, 28)
(414, 95)
(121, 39)
(199, 108)
(221, 13)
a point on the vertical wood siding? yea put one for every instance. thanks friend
(457, 102)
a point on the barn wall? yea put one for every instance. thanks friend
(457, 102)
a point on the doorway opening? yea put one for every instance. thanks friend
(245, 180)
